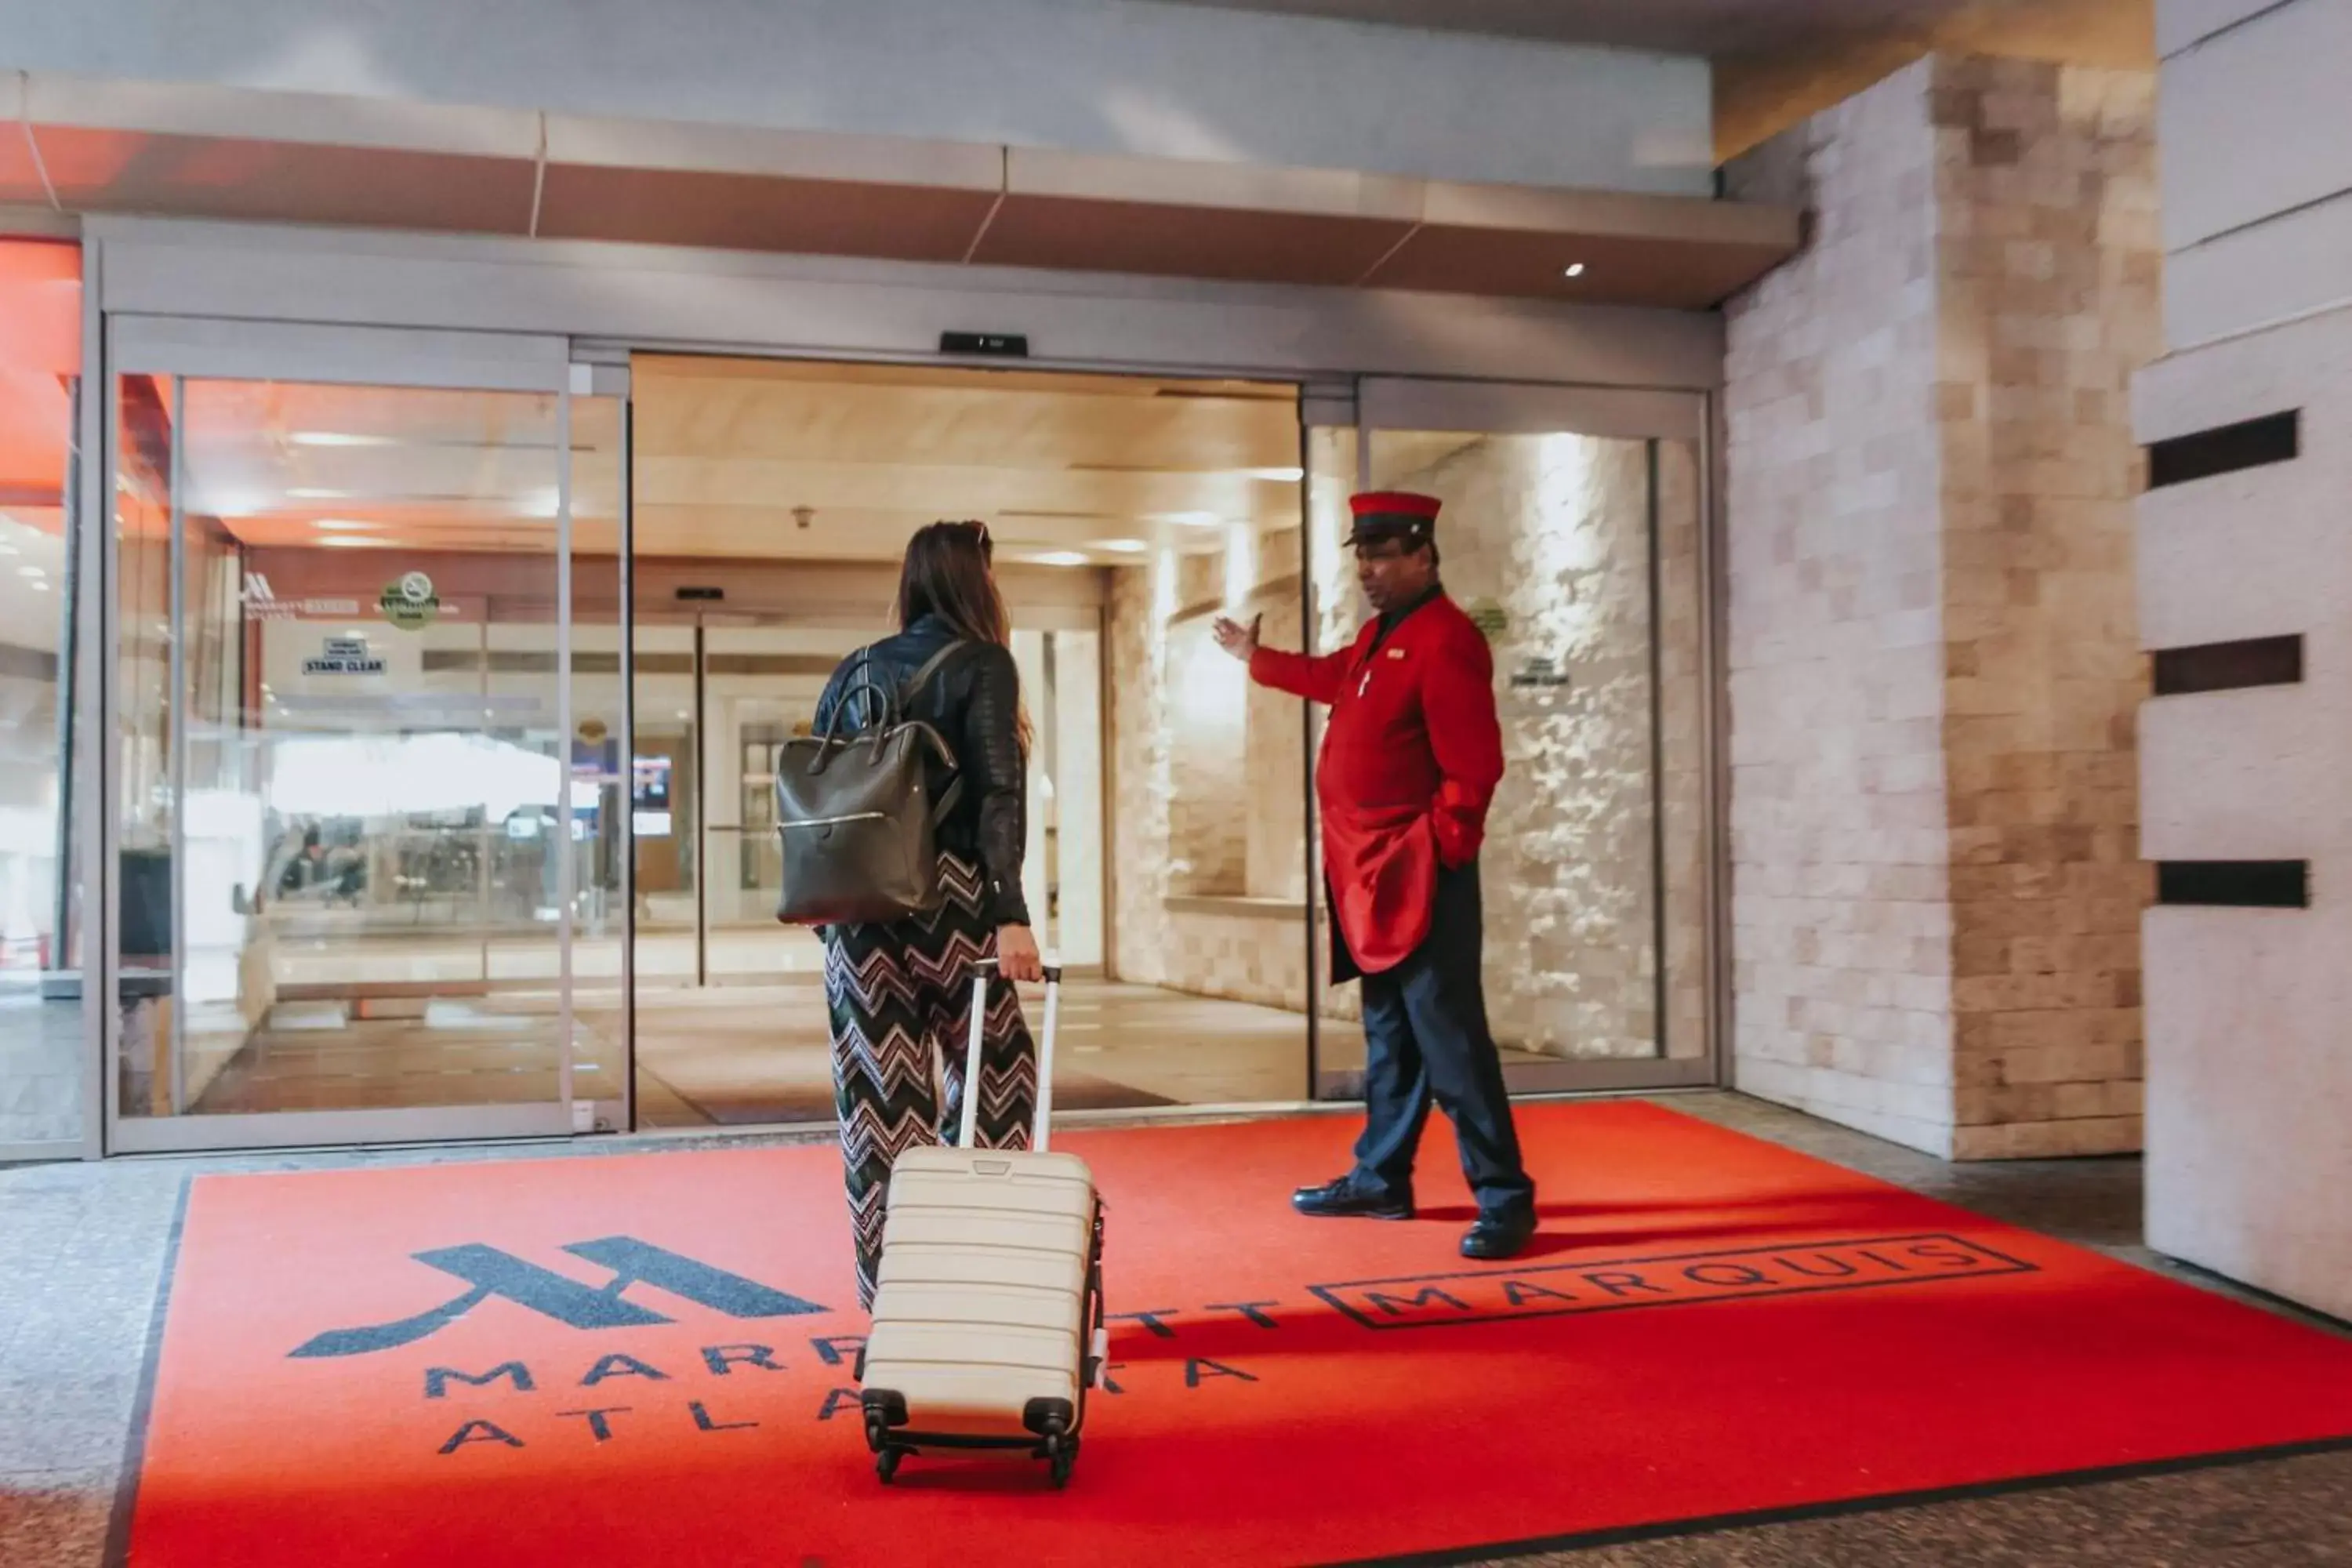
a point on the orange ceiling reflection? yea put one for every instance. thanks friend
(40, 349)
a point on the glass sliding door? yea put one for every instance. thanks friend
(1166, 830)
(356, 834)
(1573, 533)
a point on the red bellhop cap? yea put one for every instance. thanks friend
(1394, 514)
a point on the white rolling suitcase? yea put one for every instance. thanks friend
(988, 1312)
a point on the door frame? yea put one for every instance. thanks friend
(193, 348)
(1491, 407)
(605, 302)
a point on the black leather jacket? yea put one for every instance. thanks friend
(975, 702)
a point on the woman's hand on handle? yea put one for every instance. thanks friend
(1016, 954)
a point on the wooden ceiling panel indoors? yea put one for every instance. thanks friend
(750, 458)
(754, 460)
(356, 468)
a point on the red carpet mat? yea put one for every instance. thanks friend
(646, 1359)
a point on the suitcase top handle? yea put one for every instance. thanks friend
(989, 966)
(984, 970)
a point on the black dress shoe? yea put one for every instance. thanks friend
(1498, 1236)
(1349, 1198)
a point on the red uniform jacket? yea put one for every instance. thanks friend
(1411, 758)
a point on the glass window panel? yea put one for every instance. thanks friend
(341, 804)
(40, 991)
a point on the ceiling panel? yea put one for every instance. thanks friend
(1187, 242)
(1615, 268)
(759, 459)
(753, 212)
(20, 176)
(1715, 29)
(282, 181)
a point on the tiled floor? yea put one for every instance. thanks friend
(40, 1068)
(734, 1054)
(84, 1245)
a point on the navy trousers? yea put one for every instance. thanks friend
(1425, 1041)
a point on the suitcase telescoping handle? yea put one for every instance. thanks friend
(985, 971)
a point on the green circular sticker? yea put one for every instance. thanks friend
(410, 603)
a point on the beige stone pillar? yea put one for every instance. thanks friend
(1933, 656)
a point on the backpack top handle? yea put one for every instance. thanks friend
(895, 704)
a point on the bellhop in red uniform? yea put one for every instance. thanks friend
(1411, 758)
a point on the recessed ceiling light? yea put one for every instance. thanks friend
(1192, 519)
(40, 585)
(1061, 558)
(320, 495)
(343, 525)
(1278, 476)
(8, 550)
(1573, 270)
(1126, 546)
(337, 439)
(344, 541)
(30, 572)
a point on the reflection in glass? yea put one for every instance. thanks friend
(344, 805)
(40, 401)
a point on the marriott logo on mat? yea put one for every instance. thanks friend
(487, 1272)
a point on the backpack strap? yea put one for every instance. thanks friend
(921, 677)
(915, 683)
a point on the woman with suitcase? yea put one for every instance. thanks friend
(898, 992)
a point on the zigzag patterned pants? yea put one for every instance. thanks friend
(899, 999)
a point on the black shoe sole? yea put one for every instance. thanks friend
(1353, 1214)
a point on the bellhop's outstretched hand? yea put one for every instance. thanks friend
(1237, 640)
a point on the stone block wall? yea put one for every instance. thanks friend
(1209, 815)
(1841, 924)
(2048, 268)
(1552, 532)
(1933, 662)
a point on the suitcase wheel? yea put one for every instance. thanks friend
(1062, 1452)
(885, 1465)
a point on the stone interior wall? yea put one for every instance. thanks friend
(1209, 821)
(2049, 277)
(1929, 472)
(1553, 532)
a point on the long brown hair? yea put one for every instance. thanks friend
(947, 573)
